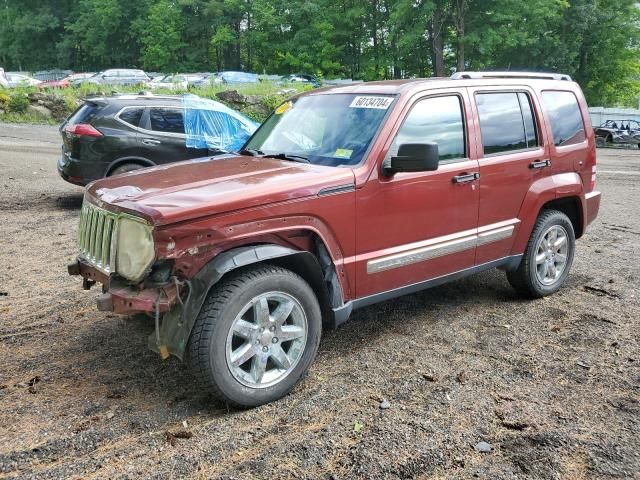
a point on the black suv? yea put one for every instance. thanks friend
(112, 135)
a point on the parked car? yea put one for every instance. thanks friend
(204, 81)
(344, 197)
(115, 76)
(68, 81)
(175, 82)
(80, 78)
(618, 132)
(110, 135)
(3, 79)
(301, 78)
(15, 80)
(234, 78)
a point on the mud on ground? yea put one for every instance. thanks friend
(552, 385)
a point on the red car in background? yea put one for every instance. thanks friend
(66, 81)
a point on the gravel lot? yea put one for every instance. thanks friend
(552, 385)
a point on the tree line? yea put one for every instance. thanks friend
(595, 41)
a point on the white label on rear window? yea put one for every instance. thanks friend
(381, 103)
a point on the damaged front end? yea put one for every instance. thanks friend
(117, 250)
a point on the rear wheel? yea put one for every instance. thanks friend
(124, 168)
(601, 142)
(548, 257)
(256, 335)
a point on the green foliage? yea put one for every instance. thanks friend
(161, 37)
(18, 103)
(596, 41)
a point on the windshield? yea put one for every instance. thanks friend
(332, 130)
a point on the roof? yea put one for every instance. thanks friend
(135, 99)
(465, 79)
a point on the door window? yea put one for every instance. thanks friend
(438, 120)
(565, 117)
(506, 122)
(169, 120)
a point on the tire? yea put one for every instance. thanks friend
(228, 329)
(125, 168)
(532, 278)
(601, 142)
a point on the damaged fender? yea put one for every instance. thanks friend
(173, 332)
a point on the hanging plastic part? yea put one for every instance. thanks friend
(210, 124)
(161, 339)
(164, 351)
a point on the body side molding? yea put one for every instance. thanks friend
(342, 313)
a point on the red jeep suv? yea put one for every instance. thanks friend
(344, 197)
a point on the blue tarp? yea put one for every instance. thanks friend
(210, 124)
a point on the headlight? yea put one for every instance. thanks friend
(135, 251)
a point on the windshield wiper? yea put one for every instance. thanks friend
(251, 151)
(288, 156)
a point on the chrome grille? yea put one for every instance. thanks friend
(96, 235)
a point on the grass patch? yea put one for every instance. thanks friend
(271, 95)
(12, 117)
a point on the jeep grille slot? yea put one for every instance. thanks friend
(96, 235)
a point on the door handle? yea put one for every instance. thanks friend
(466, 177)
(540, 164)
(150, 141)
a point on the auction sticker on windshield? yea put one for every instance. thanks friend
(381, 103)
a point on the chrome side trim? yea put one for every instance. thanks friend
(349, 187)
(144, 130)
(421, 254)
(441, 246)
(495, 235)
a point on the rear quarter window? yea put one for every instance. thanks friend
(565, 117)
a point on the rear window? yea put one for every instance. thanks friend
(506, 122)
(169, 120)
(85, 114)
(131, 116)
(565, 117)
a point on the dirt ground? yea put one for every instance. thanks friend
(552, 385)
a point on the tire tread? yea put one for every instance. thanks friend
(219, 296)
(521, 278)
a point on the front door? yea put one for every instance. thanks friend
(412, 227)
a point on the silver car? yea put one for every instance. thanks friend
(117, 76)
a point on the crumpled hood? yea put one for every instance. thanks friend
(208, 186)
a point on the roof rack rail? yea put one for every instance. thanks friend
(540, 75)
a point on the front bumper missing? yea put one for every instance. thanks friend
(123, 298)
(163, 302)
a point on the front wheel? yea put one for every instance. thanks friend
(548, 257)
(256, 335)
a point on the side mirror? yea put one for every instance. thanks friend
(413, 157)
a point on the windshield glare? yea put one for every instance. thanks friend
(334, 130)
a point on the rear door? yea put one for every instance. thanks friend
(163, 138)
(512, 154)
